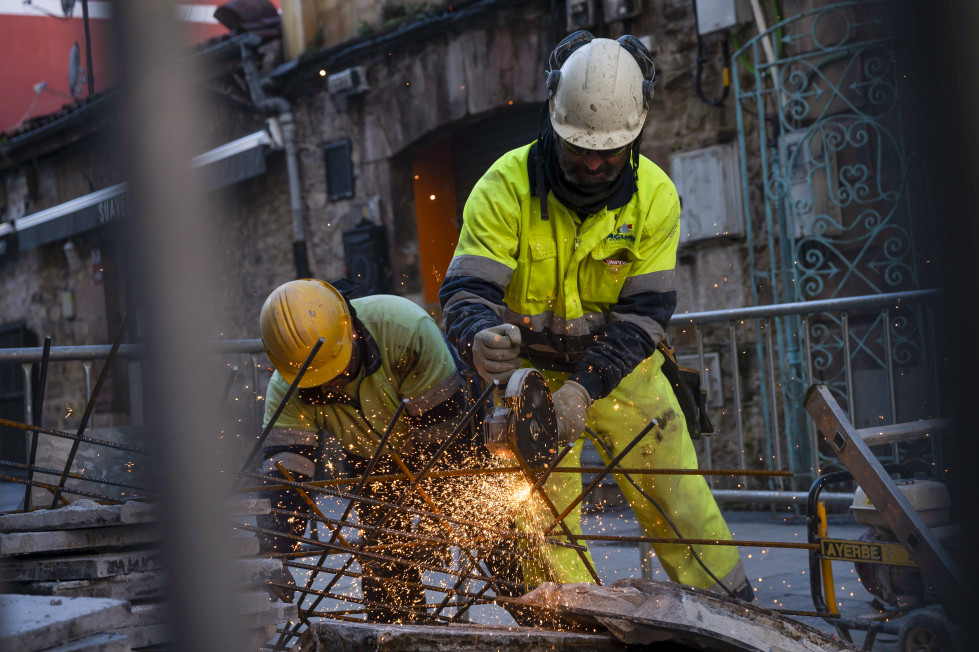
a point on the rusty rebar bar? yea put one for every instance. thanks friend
(74, 476)
(387, 558)
(504, 470)
(53, 488)
(282, 404)
(76, 438)
(90, 408)
(381, 445)
(687, 541)
(601, 476)
(386, 580)
(459, 543)
(538, 482)
(36, 408)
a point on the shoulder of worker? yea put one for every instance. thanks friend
(387, 314)
(510, 169)
(656, 196)
(377, 308)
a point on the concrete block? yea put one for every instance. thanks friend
(132, 586)
(245, 546)
(34, 623)
(249, 507)
(82, 567)
(79, 514)
(273, 614)
(104, 642)
(25, 543)
(339, 636)
(257, 570)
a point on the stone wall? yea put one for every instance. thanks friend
(420, 91)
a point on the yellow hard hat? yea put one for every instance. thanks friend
(297, 314)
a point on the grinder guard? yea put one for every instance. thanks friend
(524, 427)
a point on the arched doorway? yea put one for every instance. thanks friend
(444, 174)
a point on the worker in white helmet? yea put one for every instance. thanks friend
(566, 263)
(377, 352)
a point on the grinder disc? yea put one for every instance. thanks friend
(533, 437)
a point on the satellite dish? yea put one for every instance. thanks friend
(75, 71)
(67, 6)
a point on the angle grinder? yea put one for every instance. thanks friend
(524, 427)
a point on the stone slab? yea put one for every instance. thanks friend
(119, 536)
(339, 636)
(104, 642)
(647, 611)
(33, 623)
(82, 513)
(131, 586)
(88, 567)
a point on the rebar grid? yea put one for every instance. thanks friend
(434, 525)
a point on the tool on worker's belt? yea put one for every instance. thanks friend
(524, 427)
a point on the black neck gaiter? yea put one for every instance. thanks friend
(566, 192)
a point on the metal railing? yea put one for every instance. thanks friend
(751, 415)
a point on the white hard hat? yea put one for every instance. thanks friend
(598, 99)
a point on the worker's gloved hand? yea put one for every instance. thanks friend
(570, 402)
(496, 352)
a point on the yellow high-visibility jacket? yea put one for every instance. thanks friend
(591, 294)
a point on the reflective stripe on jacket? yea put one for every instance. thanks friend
(581, 290)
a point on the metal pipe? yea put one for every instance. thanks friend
(865, 303)
(708, 446)
(742, 496)
(889, 364)
(907, 431)
(851, 405)
(37, 408)
(776, 439)
(736, 378)
(810, 375)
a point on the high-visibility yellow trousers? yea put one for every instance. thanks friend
(643, 395)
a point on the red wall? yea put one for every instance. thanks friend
(35, 48)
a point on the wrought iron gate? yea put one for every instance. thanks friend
(832, 191)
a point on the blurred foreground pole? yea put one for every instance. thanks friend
(942, 39)
(171, 256)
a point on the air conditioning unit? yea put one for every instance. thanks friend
(351, 81)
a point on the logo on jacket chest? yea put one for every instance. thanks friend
(624, 232)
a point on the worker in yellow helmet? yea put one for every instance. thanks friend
(377, 352)
(566, 263)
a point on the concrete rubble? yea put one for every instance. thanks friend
(337, 636)
(97, 580)
(648, 611)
